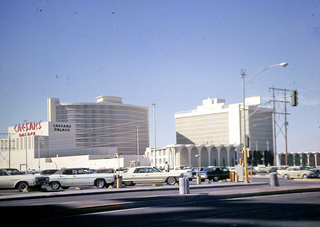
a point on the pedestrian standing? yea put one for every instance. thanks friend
(167, 167)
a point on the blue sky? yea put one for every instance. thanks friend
(172, 53)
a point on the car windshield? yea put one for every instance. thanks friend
(14, 172)
(156, 169)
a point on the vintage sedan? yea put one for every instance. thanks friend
(214, 173)
(298, 172)
(148, 174)
(13, 178)
(74, 177)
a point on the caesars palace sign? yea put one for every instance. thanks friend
(22, 129)
(30, 128)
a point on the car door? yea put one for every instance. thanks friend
(65, 178)
(299, 172)
(80, 177)
(139, 175)
(5, 181)
(154, 176)
(295, 172)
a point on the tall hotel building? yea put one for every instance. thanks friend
(212, 135)
(79, 135)
(108, 123)
(218, 123)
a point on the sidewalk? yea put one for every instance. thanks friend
(256, 189)
(158, 187)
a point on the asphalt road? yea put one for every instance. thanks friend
(276, 210)
(217, 206)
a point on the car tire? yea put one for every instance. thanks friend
(22, 186)
(100, 183)
(55, 185)
(171, 180)
(304, 176)
(286, 177)
(128, 183)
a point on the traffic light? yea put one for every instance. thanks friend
(294, 97)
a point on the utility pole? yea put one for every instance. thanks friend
(274, 128)
(285, 124)
(284, 101)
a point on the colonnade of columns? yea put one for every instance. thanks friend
(195, 155)
(301, 158)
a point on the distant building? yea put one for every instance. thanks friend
(212, 135)
(214, 131)
(302, 158)
(107, 123)
(96, 135)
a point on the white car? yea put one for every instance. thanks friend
(148, 174)
(298, 172)
(74, 177)
(281, 170)
(13, 178)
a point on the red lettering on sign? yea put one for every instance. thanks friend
(29, 126)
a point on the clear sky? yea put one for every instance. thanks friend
(172, 53)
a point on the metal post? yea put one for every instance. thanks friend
(274, 128)
(138, 149)
(39, 152)
(285, 124)
(26, 145)
(244, 127)
(154, 134)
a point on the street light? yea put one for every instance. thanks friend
(284, 64)
(198, 157)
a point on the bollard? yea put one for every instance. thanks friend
(184, 186)
(187, 185)
(198, 179)
(274, 179)
(119, 181)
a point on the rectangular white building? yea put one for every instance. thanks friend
(218, 123)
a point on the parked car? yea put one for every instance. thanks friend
(281, 170)
(313, 169)
(298, 172)
(215, 173)
(272, 169)
(148, 174)
(13, 178)
(48, 172)
(261, 169)
(66, 178)
(110, 170)
(185, 170)
(196, 170)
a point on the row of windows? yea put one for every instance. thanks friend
(17, 144)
